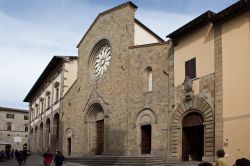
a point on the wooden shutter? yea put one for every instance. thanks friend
(190, 68)
(193, 68)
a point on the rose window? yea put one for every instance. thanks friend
(102, 61)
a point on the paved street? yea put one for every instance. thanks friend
(32, 161)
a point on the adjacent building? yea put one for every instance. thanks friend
(45, 102)
(13, 128)
(214, 51)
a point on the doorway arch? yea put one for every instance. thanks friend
(196, 106)
(94, 117)
(192, 137)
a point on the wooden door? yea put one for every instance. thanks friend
(69, 146)
(146, 139)
(100, 137)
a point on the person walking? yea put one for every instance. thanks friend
(221, 161)
(25, 156)
(19, 157)
(59, 159)
(47, 158)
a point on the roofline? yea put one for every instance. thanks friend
(149, 30)
(13, 109)
(149, 45)
(46, 72)
(210, 17)
(189, 27)
(104, 13)
(231, 11)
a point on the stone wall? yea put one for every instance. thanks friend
(142, 102)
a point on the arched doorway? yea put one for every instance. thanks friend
(47, 134)
(69, 136)
(41, 138)
(202, 109)
(31, 140)
(55, 138)
(95, 119)
(145, 121)
(192, 137)
(36, 139)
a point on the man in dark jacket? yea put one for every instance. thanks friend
(59, 159)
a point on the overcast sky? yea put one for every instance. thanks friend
(33, 31)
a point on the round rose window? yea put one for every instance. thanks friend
(99, 60)
(102, 61)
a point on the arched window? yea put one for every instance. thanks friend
(56, 86)
(35, 111)
(150, 78)
(9, 126)
(41, 105)
(48, 98)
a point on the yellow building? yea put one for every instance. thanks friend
(214, 51)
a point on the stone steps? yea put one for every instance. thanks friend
(126, 161)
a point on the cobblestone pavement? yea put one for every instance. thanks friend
(33, 161)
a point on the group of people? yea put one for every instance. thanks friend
(221, 161)
(21, 157)
(48, 158)
(7, 154)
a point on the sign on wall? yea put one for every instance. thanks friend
(17, 139)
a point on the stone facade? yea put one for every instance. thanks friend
(45, 103)
(14, 128)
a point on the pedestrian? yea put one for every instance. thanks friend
(221, 161)
(25, 156)
(47, 158)
(19, 157)
(59, 159)
(242, 162)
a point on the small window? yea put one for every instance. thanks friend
(150, 78)
(48, 99)
(26, 117)
(41, 105)
(26, 135)
(26, 128)
(56, 91)
(8, 135)
(8, 126)
(190, 68)
(10, 116)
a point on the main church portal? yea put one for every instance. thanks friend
(192, 137)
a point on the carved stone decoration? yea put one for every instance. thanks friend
(69, 133)
(102, 61)
(187, 84)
